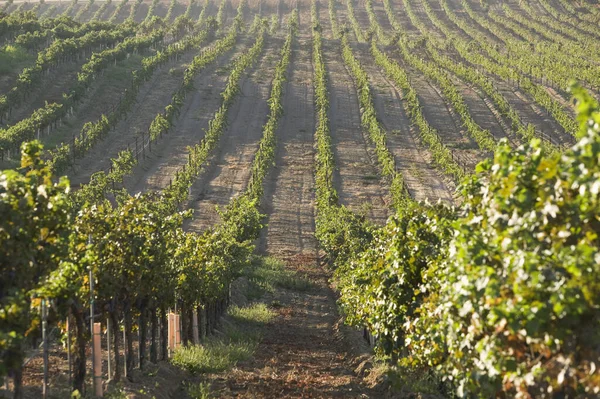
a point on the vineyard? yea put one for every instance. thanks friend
(349, 198)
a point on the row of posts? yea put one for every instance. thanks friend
(173, 342)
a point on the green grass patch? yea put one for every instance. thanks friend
(242, 329)
(214, 356)
(199, 391)
(241, 334)
(257, 313)
(266, 274)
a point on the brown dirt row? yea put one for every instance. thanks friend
(289, 189)
(152, 99)
(302, 353)
(228, 171)
(412, 159)
(170, 155)
(357, 177)
(525, 106)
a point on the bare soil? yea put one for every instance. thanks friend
(228, 173)
(303, 354)
(288, 199)
(412, 159)
(152, 99)
(357, 177)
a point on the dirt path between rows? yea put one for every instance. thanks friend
(151, 100)
(170, 155)
(289, 190)
(424, 182)
(302, 353)
(228, 172)
(356, 177)
(412, 159)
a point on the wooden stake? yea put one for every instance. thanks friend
(171, 333)
(45, 343)
(108, 332)
(124, 353)
(195, 327)
(177, 330)
(69, 360)
(97, 360)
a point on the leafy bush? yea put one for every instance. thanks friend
(502, 297)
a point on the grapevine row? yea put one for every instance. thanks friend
(339, 231)
(101, 10)
(483, 138)
(83, 10)
(208, 261)
(64, 155)
(497, 326)
(471, 75)
(371, 124)
(164, 120)
(115, 14)
(42, 118)
(58, 51)
(355, 25)
(170, 10)
(199, 153)
(499, 68)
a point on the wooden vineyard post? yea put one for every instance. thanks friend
(97, 360)
(69, 359)
(124, 353)
(92, 325)
(177, 330)
(45, 343)
(171, 331)
(108, 332)
(139, 336)
(203, 326)
(195, 327)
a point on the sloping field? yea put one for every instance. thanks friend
(301, 132)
